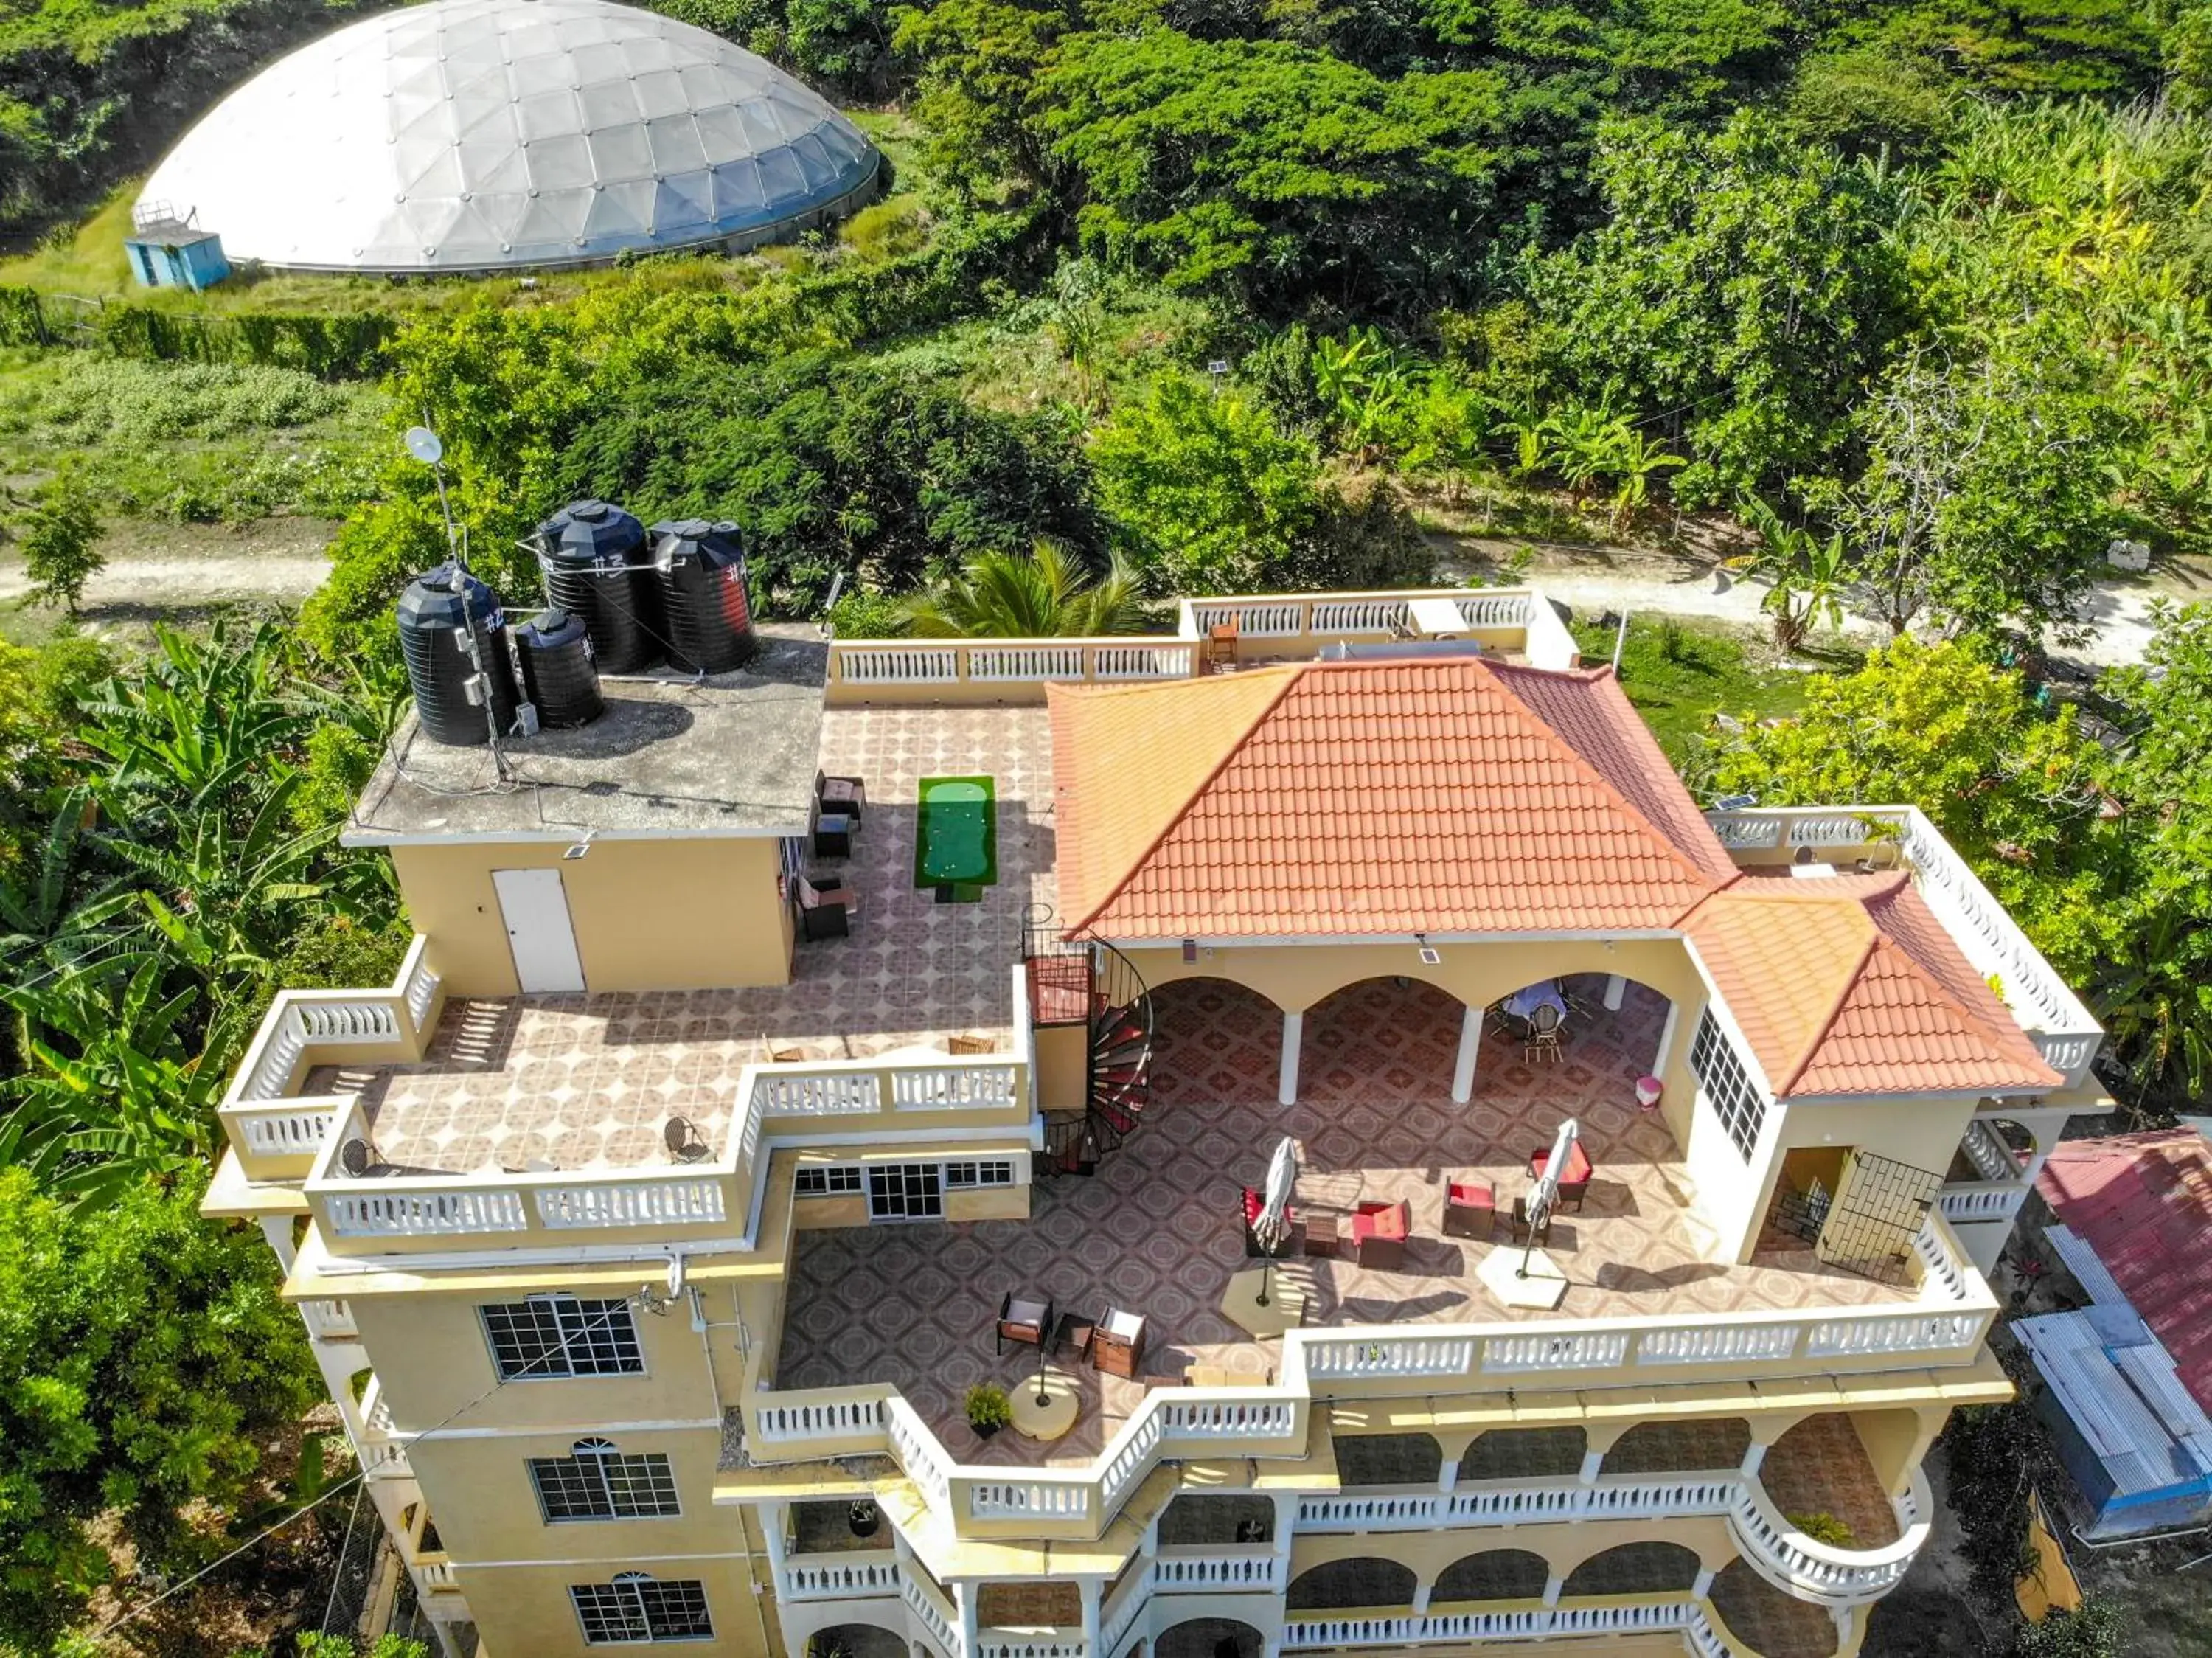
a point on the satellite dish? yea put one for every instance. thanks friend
(423, 444)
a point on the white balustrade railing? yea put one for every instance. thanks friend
(1407, 1355)
(1718, 1344)
(395, 1212)
(1838, 1576)
(1130, 1457)
(641, 1202)
(795, 1093)
(1986, 1150)
(268, 1071)
(330, 1320)
(955, 1087)
(837, 1577)
(778, 1423)
(1485, 609)
(934, 662)
(436, 1577)
(1522, 1501)
(1541, 1349)
(291, 1129)
(1967, 1203)
(1550, 1623)
(1227, 1418)
(1281, 618)
(1197, 1570)
(918, 1453)
(1030, 1499)
(1167, 662)
(1360, 616)
(1010, 1644)
(944, 1626)
(1025, 661)
(348, 1021)
(896, 664)
(1118, 1618)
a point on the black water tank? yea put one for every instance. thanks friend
(554, 651)
(701, 566)
(598, 567)
(437, 613)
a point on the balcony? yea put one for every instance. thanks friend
(1891, 837)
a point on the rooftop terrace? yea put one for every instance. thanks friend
(1158, 1231)
(585, 1083)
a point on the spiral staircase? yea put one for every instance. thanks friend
(1077, 982)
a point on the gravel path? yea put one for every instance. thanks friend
(158, 567)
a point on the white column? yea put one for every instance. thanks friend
(1616, 985)
(448, 1643)
(1705, 1582)
(964, 1599)
(1093, 1632)
(1753, 1455)
(277, 1228)
(1448, 1480)
(1294, 1030)
(1552, 1590)
(1470, 1049)
(1666, 1039)
(1592, 1462)
(1421, 1593)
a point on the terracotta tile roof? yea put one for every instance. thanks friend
(1588, 707)
(1851, 985)
(1363, 798)
(2143, 1202)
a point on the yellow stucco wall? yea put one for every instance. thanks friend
(480, 1490)
(648, 915)
(524, 1611)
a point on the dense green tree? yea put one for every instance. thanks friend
(1211, 496)
(1741, 291)
(1281, 174)
(141, 1352)
(2091, 1630)
(60, 541)
(2015, 789)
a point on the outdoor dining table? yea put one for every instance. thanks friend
(1544, 993)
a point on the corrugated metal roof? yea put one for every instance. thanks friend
(2086, 1266)
(2136, 1447)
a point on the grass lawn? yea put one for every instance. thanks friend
(1680, 671)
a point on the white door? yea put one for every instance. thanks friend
(538, 931)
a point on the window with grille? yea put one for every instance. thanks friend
(997, 1172)
(1736, 1100)
(597, 1482)
(562, 1336)
(905, 1192)
(815, 1180)
(637, 1607)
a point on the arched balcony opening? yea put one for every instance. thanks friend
(1381, 1040)
(1364, 1459)
(1196, 1520)
(1706, 1444)
(1210, 1637)
(851, 1639)
(1524, 1454)
(1770, 1623)
(1215, 1043)
(1364, 1580)
(1635, 1569)
(1820, 1471)
(1493, 1574)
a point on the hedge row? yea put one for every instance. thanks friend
(346, 346)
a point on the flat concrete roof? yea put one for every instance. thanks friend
(730, 754)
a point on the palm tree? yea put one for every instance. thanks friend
(1045, 596)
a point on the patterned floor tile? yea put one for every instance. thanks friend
(1157, 1230)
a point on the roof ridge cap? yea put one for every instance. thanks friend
(1292, 674)
(1675, 854)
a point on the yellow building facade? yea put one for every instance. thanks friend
(805, 1053)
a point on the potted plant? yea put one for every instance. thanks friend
(989, 1409)
(863, 1516)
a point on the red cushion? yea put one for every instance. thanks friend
(1252, 1206)
(1475, 1195)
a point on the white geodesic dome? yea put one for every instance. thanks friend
(472, 135)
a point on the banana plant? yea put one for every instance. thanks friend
(1806, 576)
(1634, 460)
(1364, 384)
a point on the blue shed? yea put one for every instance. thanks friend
(167, 250)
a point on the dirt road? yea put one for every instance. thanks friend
(156, 568)
(1601, 578)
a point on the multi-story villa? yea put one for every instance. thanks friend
(713, 1142)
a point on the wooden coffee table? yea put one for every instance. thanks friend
(1321, 1236)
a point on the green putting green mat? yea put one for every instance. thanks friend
(955, 839)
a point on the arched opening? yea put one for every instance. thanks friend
(1214, 1043)
(1992, 1148)
(855, 1641)
(1388, 1459)
(1364, 1580)
(1820, 1472)
(1524, 1454)
(1210, 1637)
(1493, 1574)
(1196, 1520)
(1635, 1569)
(1378, 1041)
(1669, 1447)
(1770, 1623)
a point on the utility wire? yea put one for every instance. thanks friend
(343, 1485)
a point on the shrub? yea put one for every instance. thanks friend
(987, 1406)
(1823, 1527)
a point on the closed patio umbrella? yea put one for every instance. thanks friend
(1544, 1196)
(1273, 1223)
